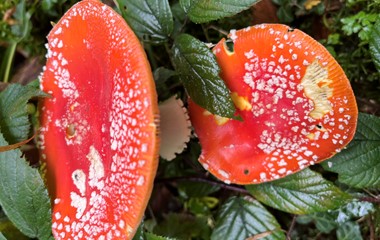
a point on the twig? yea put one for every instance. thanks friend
(371, 228)
(291, 227)
(370, 199)
(205, 180)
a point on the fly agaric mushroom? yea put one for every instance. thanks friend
(99, 129)
(296, 104)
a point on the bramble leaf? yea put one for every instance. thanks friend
(151, 20)
(359, 165)
(374, 44)
(240, 218)
(330, 220)
(201, 11)
(23, 195)
(199, 73)
(349, 231)
(300, 193)
(14, 121)
(139, 235)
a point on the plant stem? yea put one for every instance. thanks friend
(289, 233)
(11, 54)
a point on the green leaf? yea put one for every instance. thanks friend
(201, 206)
(151, 20)
(189, 189)
(23, 196)
(349, 231)
(151, 236)
(359, 164)
(285, 14)
(183, 226)
(199, 73)
(14, 121)
(240, 218)
(9, 231)
(2, 237)
(329, 220)
(139, 235)
(324, 221)
(23, 26)
(300, 193)
(374, 44)
(201, 11)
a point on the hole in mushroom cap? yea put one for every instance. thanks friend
(246, 171)
(70, 130)
(229, 46)
(318, 126)
(290, 29)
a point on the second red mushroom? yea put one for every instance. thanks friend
(296, 104)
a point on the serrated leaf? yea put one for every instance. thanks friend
(300, 193)
(349, 231)
(324, 221)
(139, 235)
(201, 11)
(151, 20)
(199, 73)
(374, 44)
(359, 164)
(23, 195)
(241, 218)
(329, 220)
(14, 121)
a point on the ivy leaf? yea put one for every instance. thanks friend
(359, 164)
(151, 20)
(349, 231)
(300, 193)
(240, 218)
(14, 121)
(374, 44)
(23, 196)
(199, 73)
(201, 11)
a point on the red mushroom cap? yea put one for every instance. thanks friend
(98, 131)
(296, 104)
